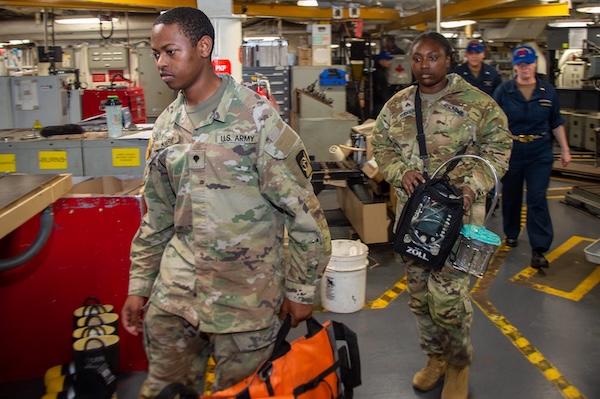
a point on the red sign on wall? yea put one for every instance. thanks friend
(113, 78)
(222, 66)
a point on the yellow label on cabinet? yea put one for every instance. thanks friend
(126, 157)
(8, 163)
(52, 160)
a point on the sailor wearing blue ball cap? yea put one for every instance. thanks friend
(524, 54)
(533, 112)
(481, 75)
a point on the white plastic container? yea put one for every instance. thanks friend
(344, 283)
(114, 116)
(592, 252)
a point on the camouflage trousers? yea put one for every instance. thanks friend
(179, 352)
(441, 303)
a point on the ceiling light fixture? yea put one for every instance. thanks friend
(261, 38)
(90, 20)
(590, 8)
(307, 3)
(456, 24)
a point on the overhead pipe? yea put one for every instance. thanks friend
(438, 16)
(46, 222)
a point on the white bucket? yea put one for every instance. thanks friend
(344, 282)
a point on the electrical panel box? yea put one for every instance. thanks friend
(572, 74)
(40, 98)
(6, 121)
(109, 57)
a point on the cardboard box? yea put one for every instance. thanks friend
(370, 221)
(108, 185)
(321, 55)
(304, 56)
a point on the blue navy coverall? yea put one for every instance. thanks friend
(530, 162)
(488, 78)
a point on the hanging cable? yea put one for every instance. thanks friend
(112, 26)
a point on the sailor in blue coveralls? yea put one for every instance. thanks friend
(481, 75)
(533, 112)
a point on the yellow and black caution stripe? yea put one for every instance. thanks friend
(572, 279)
(479, 295)
(388, 296)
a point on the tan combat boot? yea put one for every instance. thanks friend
(427, 378)
(456, 384)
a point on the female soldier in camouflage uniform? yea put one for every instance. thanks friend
(225, 175)
(455, 115)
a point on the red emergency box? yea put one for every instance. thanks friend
(132, 97)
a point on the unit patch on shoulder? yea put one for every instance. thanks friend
(304, 163)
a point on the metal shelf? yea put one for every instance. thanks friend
(279, 80)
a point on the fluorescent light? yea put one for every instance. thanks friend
(90, 20)
(574, 23)
(449, 35)
(590, 8)
(307, 3)
(262, 38)
(456, 24)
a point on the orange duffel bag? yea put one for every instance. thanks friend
(323, 364)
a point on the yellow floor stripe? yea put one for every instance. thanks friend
(579, 292)
(388, 296)
(383, 301)
(479, 295)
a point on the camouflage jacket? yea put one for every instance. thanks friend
(464, 116)
(211, 246)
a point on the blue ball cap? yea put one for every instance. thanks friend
(384, 55)
(476, 47)
(524, 54)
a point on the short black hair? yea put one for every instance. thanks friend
(193, 22)
(436, 37)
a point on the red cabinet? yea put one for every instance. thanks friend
(87, 254)
(132, 97)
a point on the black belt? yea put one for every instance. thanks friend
(526, 138)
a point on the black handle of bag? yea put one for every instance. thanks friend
(351, 374)
(282, 346)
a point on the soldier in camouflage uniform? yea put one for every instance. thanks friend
(455, 115)
(224, 176)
